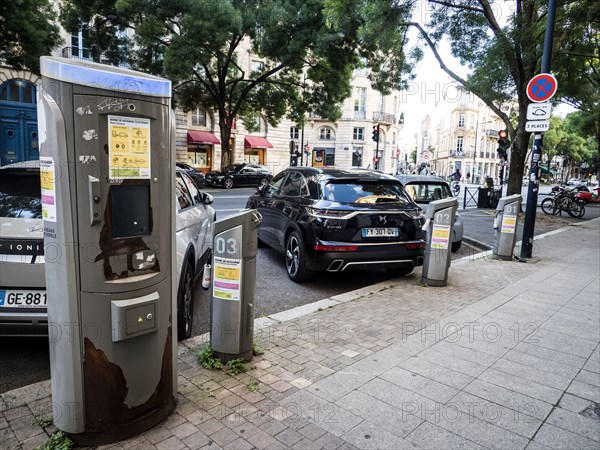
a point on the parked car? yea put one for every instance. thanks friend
(195, 174)
(325, 219)
(424, 189)
(193, 244)
(590, 197)
(239, 175)
(22, 275)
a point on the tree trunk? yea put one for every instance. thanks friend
(518, 154)
(225, 124)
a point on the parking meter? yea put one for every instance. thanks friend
(439, 224)
(233, 285)
(107, 174)
(505, 226)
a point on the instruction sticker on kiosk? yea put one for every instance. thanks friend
(48, 185)
(508, 224)
(440, 236)
(227, 265)
(129, 147)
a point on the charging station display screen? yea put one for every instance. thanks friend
(130, 210)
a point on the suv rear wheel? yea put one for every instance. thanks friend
(295, 258)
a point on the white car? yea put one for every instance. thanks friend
(426, 188)
(194, 223)
(22, 275)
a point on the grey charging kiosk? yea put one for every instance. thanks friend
(505, 226)
(439, 224)
(107, 173)
(233, 285)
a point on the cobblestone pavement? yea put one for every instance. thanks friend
(505, 356)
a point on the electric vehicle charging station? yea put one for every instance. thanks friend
(107, 169)
(505, 226)
(439, 223)
(235, 243)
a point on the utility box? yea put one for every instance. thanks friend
(439, 224)
(505, 226)
(235, 243)
(107, 169)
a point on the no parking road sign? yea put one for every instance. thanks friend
(542, 87)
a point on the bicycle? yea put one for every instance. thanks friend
(563, 200)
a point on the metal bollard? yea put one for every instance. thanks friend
(439, 223)
(505, 226)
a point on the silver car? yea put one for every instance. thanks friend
(426, 188)
(22, 277)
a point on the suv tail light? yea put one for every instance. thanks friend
(335, 248)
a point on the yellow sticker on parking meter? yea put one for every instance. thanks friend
(227, 273)
(128, 147)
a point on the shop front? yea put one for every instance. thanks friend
(201, 149)
(322, 157)
(255, 149)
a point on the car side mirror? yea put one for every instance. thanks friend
(208, 199)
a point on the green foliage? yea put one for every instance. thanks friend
(58, 441)
(43, 422)
(252, 386)
(206, 358)
(256, 350)
(27, 31)
(236, 366)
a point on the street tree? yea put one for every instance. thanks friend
(305, 54)
(501, 44)
(566, 141)
(27, 31)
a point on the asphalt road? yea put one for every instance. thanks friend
(25, 360)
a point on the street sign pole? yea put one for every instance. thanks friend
(536, 153)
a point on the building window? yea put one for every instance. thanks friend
(358, 134)
(199, 117)
(294, 133)
(381, 103)
(325, 134)
(359, 102)
(19, 91)
(257, 66)
(459, 146)
(357, 156)
(461, 121)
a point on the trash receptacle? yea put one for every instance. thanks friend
(484, 197)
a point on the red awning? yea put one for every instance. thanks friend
(256, 142)
(201, 137)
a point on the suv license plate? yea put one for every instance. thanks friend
(22, 299)
(378, 232)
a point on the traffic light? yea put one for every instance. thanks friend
(376, 133)
(503, 144)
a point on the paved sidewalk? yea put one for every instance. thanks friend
(505, 356)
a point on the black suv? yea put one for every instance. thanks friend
(331, 220)
(239, 175)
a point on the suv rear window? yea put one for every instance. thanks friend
(365, 191)
(20, 194)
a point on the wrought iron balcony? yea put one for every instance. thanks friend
(360, 114)
(76, 53)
